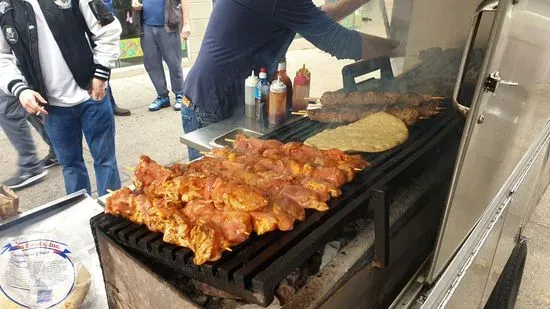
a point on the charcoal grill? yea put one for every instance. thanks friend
(255, 268)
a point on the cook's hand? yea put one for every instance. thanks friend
(374, 47)
(186, 31)
(30, 99)
(97, 90)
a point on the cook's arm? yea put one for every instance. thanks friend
(341, 9)
(316, 26)
(105, 36)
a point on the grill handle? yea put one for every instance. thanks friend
(485, 6)
(359, 68)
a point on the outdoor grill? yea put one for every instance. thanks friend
(254, 269)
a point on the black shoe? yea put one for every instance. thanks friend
(50, 161)
(121, 111)
(21, 181)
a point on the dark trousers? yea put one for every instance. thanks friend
(94, 120)
(14, 120)
(157, 45)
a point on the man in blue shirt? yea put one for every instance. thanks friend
(247, 34)
(162, 23)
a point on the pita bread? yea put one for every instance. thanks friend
(376, 133)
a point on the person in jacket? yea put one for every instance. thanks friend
(247, 34)
(162, 24)
(56, 58)
(14, 121)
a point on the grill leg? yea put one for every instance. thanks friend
(380, 201)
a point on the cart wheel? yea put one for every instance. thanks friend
(506, 290)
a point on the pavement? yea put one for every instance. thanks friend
(157, 135)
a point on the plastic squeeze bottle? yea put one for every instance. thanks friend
(250, 95)
(302, 83)
(277, 102)
(283, 77)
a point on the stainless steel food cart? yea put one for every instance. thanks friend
(440, 218)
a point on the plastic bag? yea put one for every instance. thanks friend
(9, 203)
(44, 270)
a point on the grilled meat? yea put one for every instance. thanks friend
(372, 98)
(215, 203)
(409, 114)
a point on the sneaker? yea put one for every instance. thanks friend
(50, 161)
(179, 102)
(159, 103)
(21, 181)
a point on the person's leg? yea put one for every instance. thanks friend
(98, 125)
(38, 123)
(190, 123)
(65, 132)
(170, 48)
(152, 60)
(18, 132)
(118, 111)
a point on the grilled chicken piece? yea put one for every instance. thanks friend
(236, 226)
(207, 242)
(149, 174)
(304, 197)
(283, 205)
(120, 203)
(177, 230)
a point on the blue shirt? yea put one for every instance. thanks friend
(248, 34)
(153, 12)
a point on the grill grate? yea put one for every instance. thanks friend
(255, 268)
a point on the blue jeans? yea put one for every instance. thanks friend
(65, 126)
(192, 120)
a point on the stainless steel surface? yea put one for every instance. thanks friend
(409, 295)
(481, 243)
(465, 283)
(522, 202)
(512, 118)
(72, 219)
(485, 6)
(202, 138)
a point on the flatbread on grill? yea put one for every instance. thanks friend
(375, 133)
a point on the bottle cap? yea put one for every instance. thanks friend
(263, 73)
(278, 86)
(252, 80)
(282, 65)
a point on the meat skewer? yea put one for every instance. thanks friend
(347, 114)
(375, 98)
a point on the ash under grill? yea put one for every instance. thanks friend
(255, 268)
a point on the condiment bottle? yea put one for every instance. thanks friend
(262, 97)
(250, 95)
(281, 74)
(302, 83)
(277, 102)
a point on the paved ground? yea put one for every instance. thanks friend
(157, 134)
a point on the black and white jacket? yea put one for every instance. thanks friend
(56, 47)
